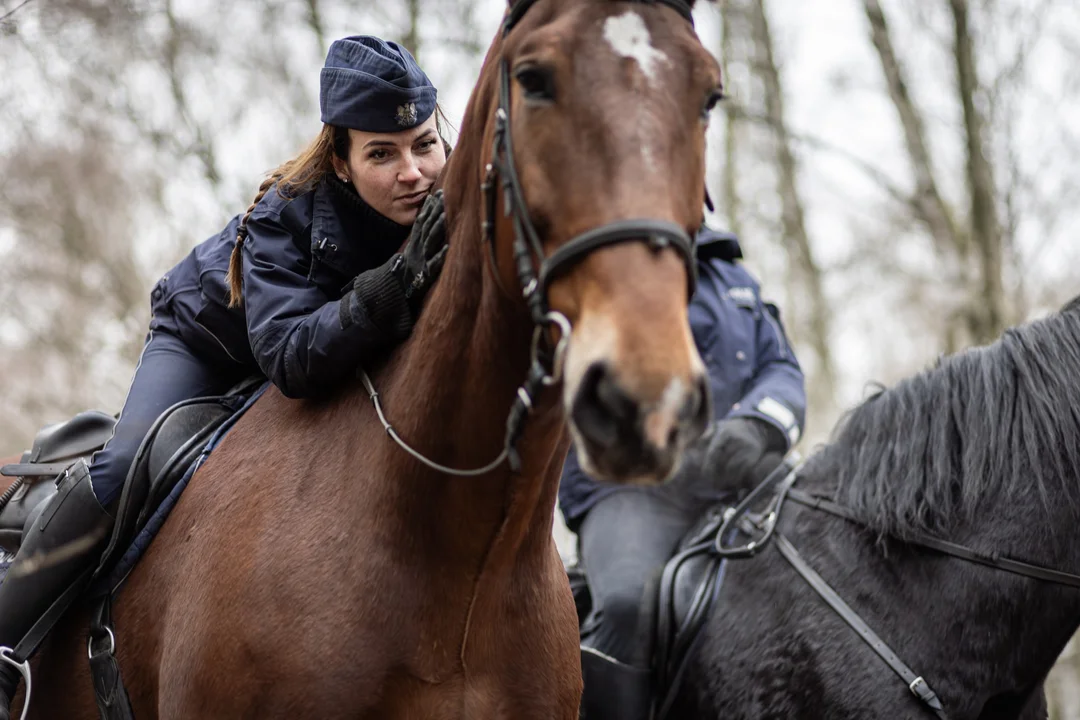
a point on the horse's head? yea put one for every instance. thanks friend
(598, 165)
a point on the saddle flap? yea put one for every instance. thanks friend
(173, 443)
(182, 425)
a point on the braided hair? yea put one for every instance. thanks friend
(292, 178)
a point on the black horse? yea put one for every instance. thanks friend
(982, 450)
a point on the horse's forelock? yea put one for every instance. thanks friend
(992, 423)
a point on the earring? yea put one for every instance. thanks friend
(345, 179)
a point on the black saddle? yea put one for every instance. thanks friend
(55, 447)
(170, 447)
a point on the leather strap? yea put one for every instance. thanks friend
(34, 469)
(30, 642)
(657, 233)
(1017, 567)
(915, 683)
(111, 695)
(786, 473)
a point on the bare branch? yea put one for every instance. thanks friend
(730, 191)
(928, 199)
(793, 215)
(316, 24)
(989, 313)
(12, 11)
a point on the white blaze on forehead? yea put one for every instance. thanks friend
(629, 37)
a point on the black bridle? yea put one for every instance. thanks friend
(528, 249)
(764, 528)
(535, 269)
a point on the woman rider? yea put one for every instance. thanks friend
(302, 288)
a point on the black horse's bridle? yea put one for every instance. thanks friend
(536, 269)
(764, 528)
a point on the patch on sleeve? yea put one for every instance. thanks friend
(743, 297)
(777, 412)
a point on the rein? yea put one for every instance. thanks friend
(784, 478)
(536, 269)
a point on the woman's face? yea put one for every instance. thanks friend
(393, 172)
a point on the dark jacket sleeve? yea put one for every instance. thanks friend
(294, 328)
(777, 392)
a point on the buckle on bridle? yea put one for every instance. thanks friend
(553, 371)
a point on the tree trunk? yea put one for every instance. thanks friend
(929, 204)
(730, 188)
(987, 309)
(822, 382)
(411, 41)
(316, 24)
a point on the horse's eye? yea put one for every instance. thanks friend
(537, 82)
(714, 97)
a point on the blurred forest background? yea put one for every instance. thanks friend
(902, 172)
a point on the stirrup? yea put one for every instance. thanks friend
(24, 670)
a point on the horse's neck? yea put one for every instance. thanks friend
(449, 392)
(1008, 629)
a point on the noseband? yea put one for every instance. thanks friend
(535, 269)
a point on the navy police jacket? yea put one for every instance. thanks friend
(300, 258)
(752, 369)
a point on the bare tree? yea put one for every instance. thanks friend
(732, 129)
(972, 248)
(795, 237)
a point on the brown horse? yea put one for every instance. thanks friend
(313, 568)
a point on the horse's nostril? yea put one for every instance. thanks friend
(602, 411)
(699, 405)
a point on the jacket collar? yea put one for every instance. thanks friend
(343, 225)
(717, 244)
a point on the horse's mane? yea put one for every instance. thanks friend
(1001, 420)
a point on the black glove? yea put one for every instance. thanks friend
(425, 252)
(391, 295)
(742, 452)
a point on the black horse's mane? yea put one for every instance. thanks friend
(999, 420)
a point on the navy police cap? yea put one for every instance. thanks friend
(374, 85)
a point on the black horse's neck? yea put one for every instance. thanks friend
(981, 450)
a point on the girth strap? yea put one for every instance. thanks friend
(915, 683)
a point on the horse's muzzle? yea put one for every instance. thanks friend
(622, 439)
